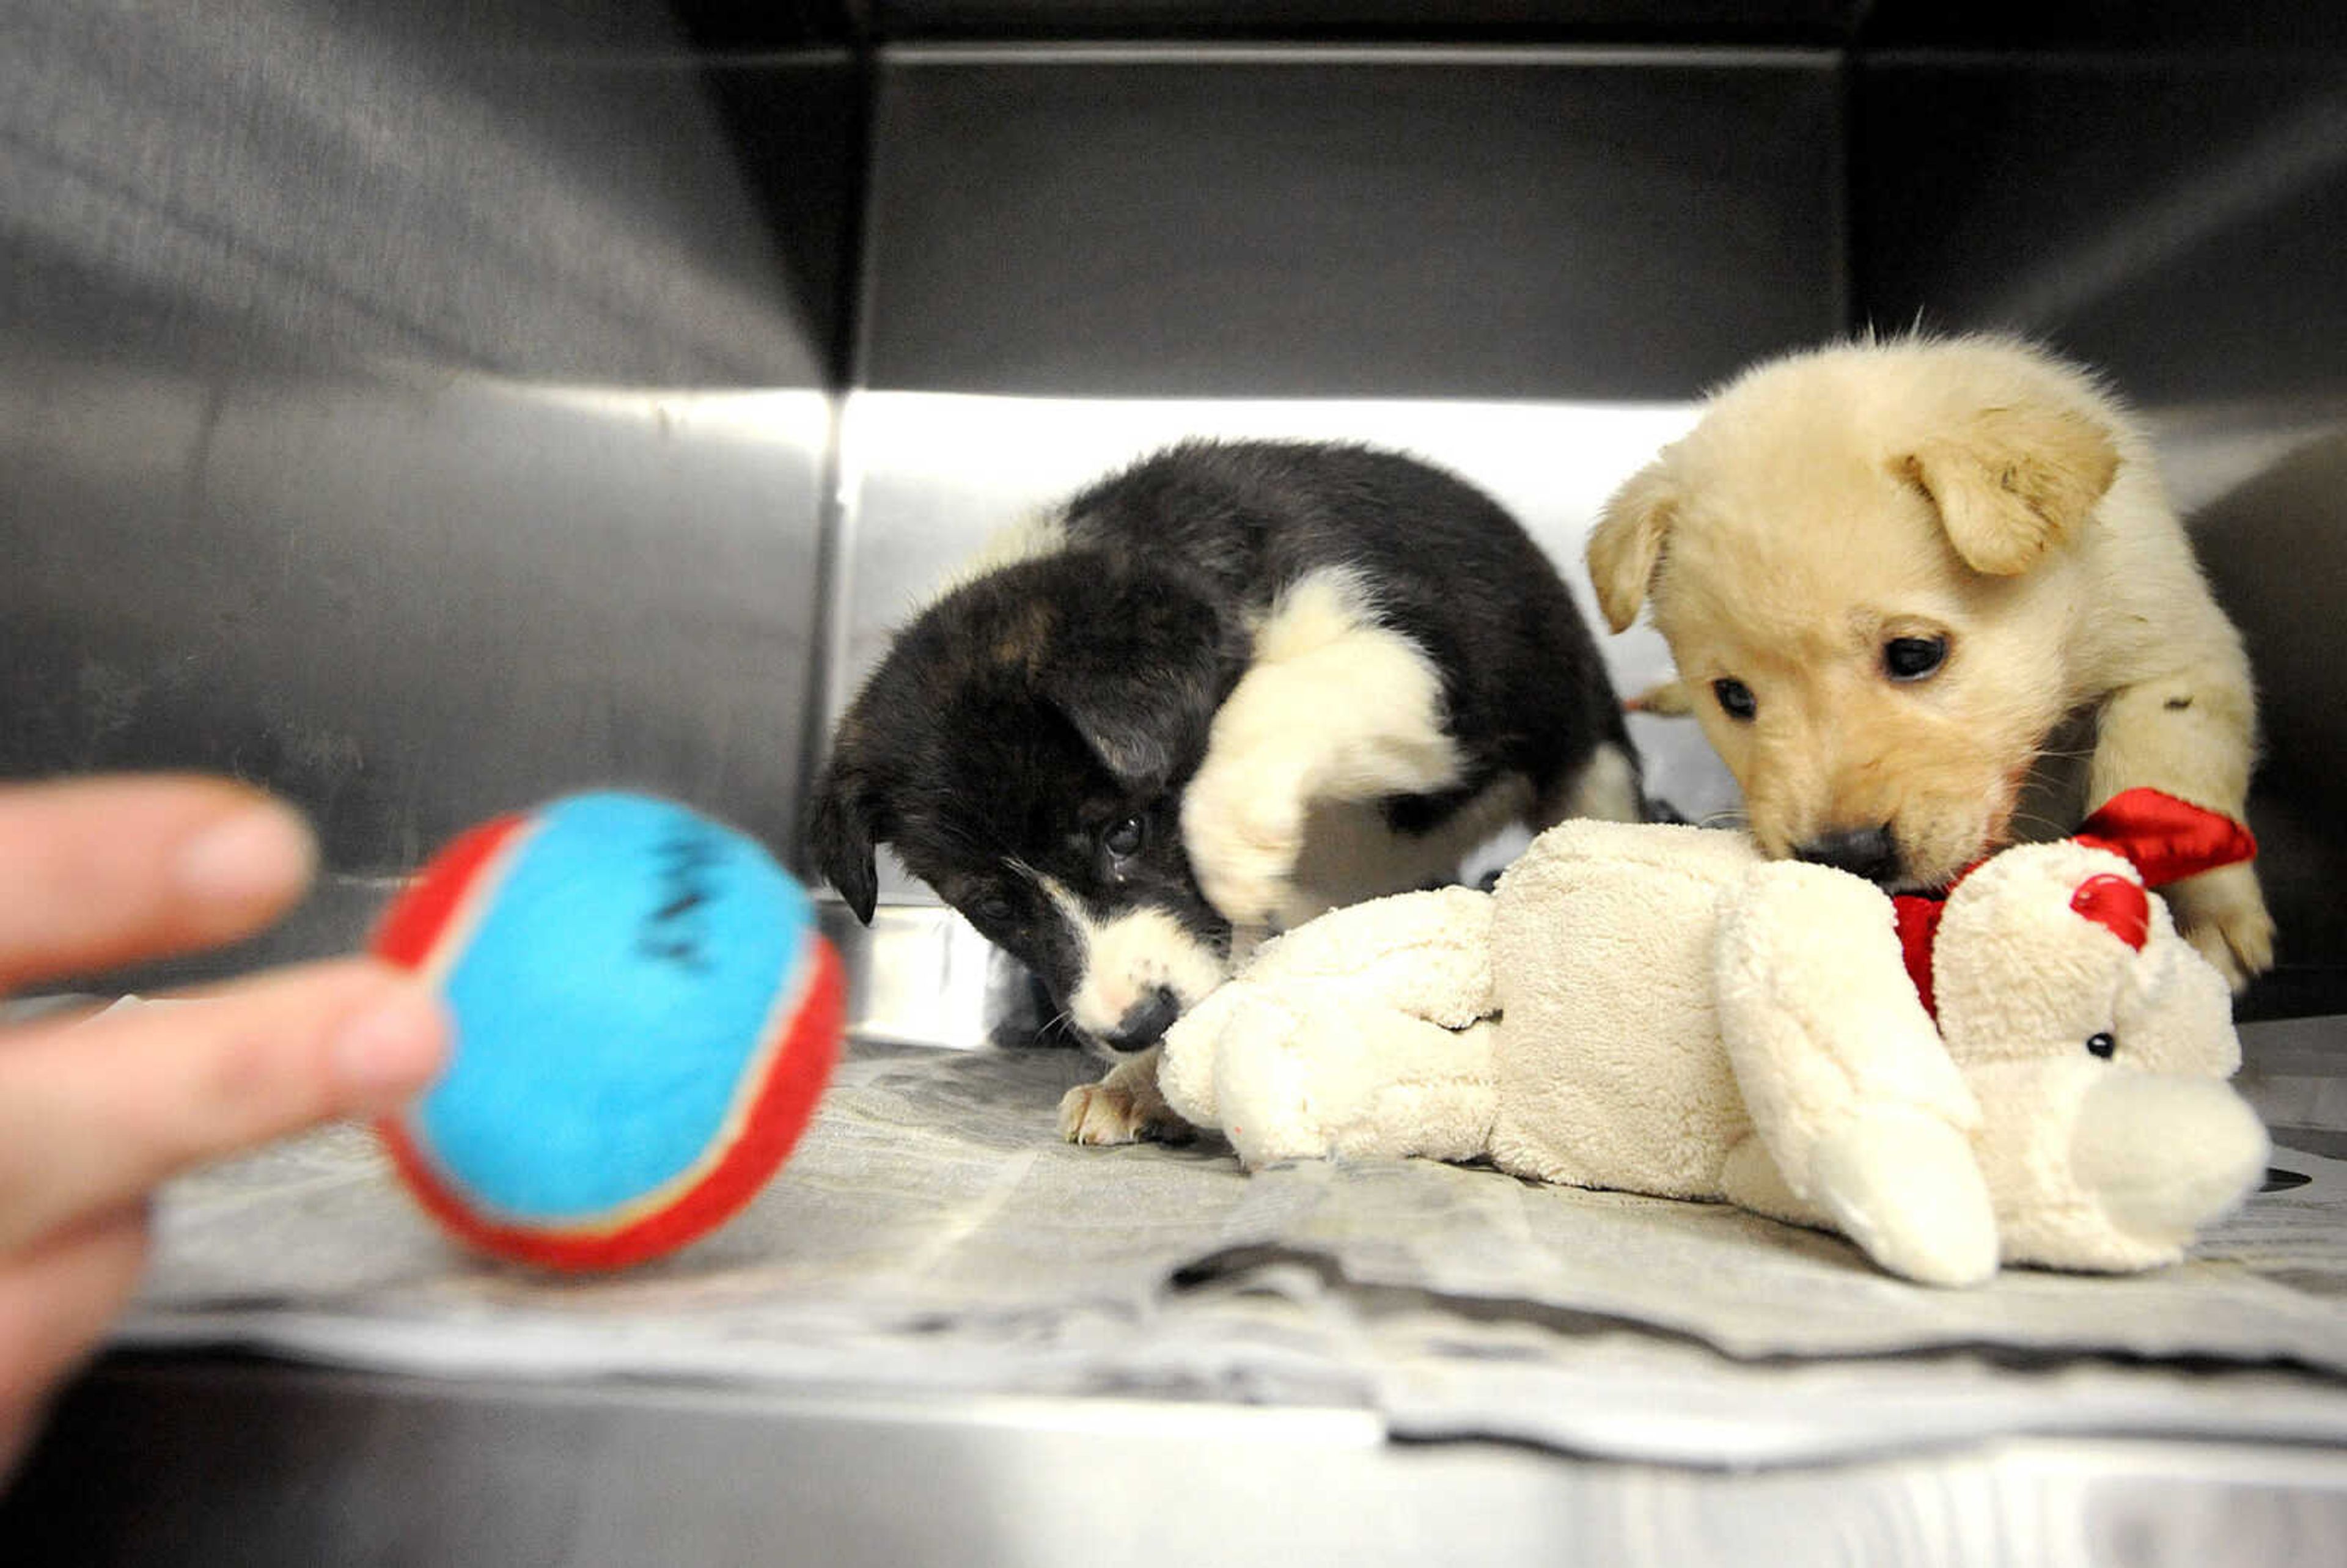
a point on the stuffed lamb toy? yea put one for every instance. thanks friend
(2032, 1072)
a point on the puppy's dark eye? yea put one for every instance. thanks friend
(1127, 838)
(1913, 658)
(1736, 699)
(2104, 1045)
(991, 909)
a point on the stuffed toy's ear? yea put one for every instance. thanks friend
(2011, 481)
(1628, 542)
(1848, 1084)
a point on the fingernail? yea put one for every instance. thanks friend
(393, 1048)
(258, 852)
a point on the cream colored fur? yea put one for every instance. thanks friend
(1661, 1010)
(1976, 489)
(1334, 709)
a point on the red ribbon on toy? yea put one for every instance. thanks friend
(2164, 838)
(1918, 914)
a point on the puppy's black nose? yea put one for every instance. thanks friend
(1868, 851)
(1145, 1022)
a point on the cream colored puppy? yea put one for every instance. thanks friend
(1927, 596)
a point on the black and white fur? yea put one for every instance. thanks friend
(1234, 685)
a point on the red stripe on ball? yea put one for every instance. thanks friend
(414, 922)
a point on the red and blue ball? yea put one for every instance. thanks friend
(645, 1013)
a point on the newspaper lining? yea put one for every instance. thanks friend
(931, 1235)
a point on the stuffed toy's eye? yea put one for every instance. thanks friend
(1736, 699)
(1913, 658)
(1127, 838)
(2104, 1045)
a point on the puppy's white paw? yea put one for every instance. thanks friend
(1124, 1107)
(1244, 831)
(2222, 914)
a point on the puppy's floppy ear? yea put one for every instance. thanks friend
(1142, 688)
(840, 835)
(2011, 481)
(1121, 725)
(1628, 542)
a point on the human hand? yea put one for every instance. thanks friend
(95, 1112)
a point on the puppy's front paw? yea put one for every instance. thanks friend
(1124, 1107)
(1244, 833)
(2222, 914)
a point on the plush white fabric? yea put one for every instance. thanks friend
(1602, 937)
(1657, 1010)
(1360, 1033)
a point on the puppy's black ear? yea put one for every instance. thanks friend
(1142, 686)
(1628, 541)
(2011, 481)
(839, 840)
(1127, 726)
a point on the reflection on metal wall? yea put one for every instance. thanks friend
(522, 188)
(2174, 216)
(417, 413)
(1347, 222)
(408, 597)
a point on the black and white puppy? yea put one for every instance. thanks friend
(1231, 687)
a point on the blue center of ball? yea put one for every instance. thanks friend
(609, 1006)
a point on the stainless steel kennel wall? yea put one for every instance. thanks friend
(421, 411)
(416, 409)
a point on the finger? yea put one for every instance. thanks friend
(103, 871)
(56, 1302)
(94, 1114)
